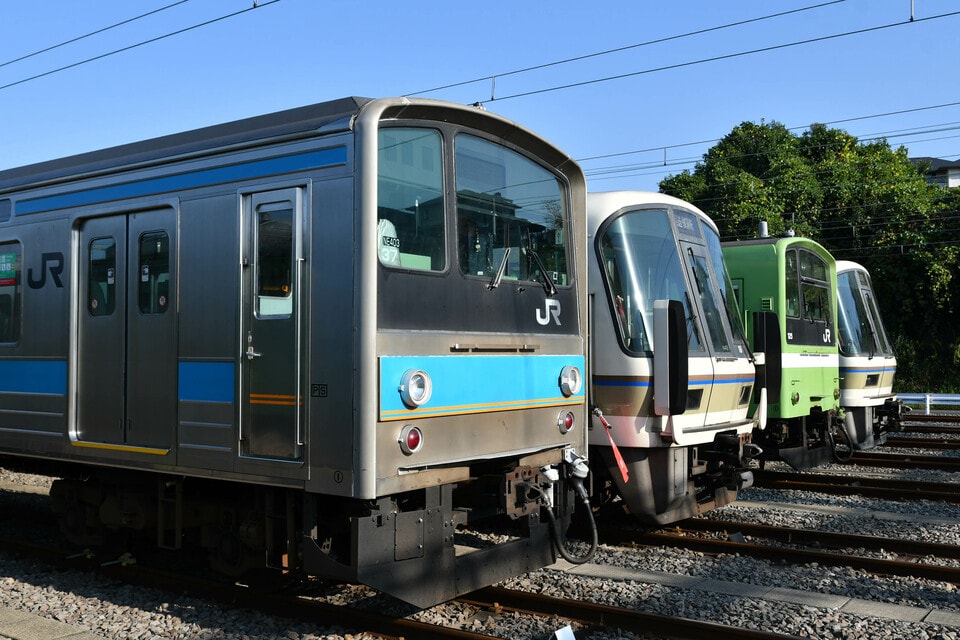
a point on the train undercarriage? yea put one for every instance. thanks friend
(667, 484)
(421, 546)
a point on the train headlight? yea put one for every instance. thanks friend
(411, 439)
(415, 388)
(566, 421)
(571, 381)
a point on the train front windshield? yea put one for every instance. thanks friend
(510, 211)
(655, 254)
(861, 330)
(640, 261)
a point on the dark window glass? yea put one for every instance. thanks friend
(153, 290)
(275, 260)
(102, 277)
(510, 215)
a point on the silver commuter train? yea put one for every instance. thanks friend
(868, 364)
(671, 375)
(320, 339)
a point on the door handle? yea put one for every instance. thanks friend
(251, 354)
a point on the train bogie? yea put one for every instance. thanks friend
(330, 321)
(671, 376)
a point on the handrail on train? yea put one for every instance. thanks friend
(928, 400)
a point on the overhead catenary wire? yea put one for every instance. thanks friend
(556, 63)
(256, 5)
(616, 170)
(599, 173)
(91, 34)
(717, 58)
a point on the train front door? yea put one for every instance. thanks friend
(270, 352)
(723, 371)
(126, 340)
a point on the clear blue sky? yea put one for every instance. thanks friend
(290, 53)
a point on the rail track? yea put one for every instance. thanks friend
(933, 417)
(304, 608)
(936, 429)
(495, 598)
(884, 488)
(304, 601)
(945, 444)
(688, 535)
(904, 461)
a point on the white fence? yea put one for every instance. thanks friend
(927, 400)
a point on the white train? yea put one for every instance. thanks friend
(670, 371)
(868, 364)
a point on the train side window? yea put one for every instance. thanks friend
(792, 284)
(153, 291)
(10, 299)
(101, 276)
(410, 231)
(815, 289)
(275, 260)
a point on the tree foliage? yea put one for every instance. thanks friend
(864, 201)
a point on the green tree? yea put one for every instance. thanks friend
(864, 201)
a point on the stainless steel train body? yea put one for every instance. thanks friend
(868, 365)
(321, 339)
(676, 398)
(788, 290)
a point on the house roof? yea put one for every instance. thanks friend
(936, 165)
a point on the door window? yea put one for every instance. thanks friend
(274, 260)
(102, 276)
(154, 286)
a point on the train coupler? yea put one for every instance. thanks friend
(522, 492)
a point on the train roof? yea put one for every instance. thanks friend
(273, 125)
(317, 119)
(849, 265)
(772, 240)
(600, 204)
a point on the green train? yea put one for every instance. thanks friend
(787, 289)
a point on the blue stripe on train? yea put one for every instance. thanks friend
(34, 376)
(206, 382)
(478, 383)
(192, 180)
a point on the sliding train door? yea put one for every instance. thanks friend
(271, 361)
(126, 373)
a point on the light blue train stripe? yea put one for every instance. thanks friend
(465, 384)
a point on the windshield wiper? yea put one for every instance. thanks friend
(493, 284)
(548, 285)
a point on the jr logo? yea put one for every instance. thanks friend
(826, 336)
(51, 261)
(550, 308)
